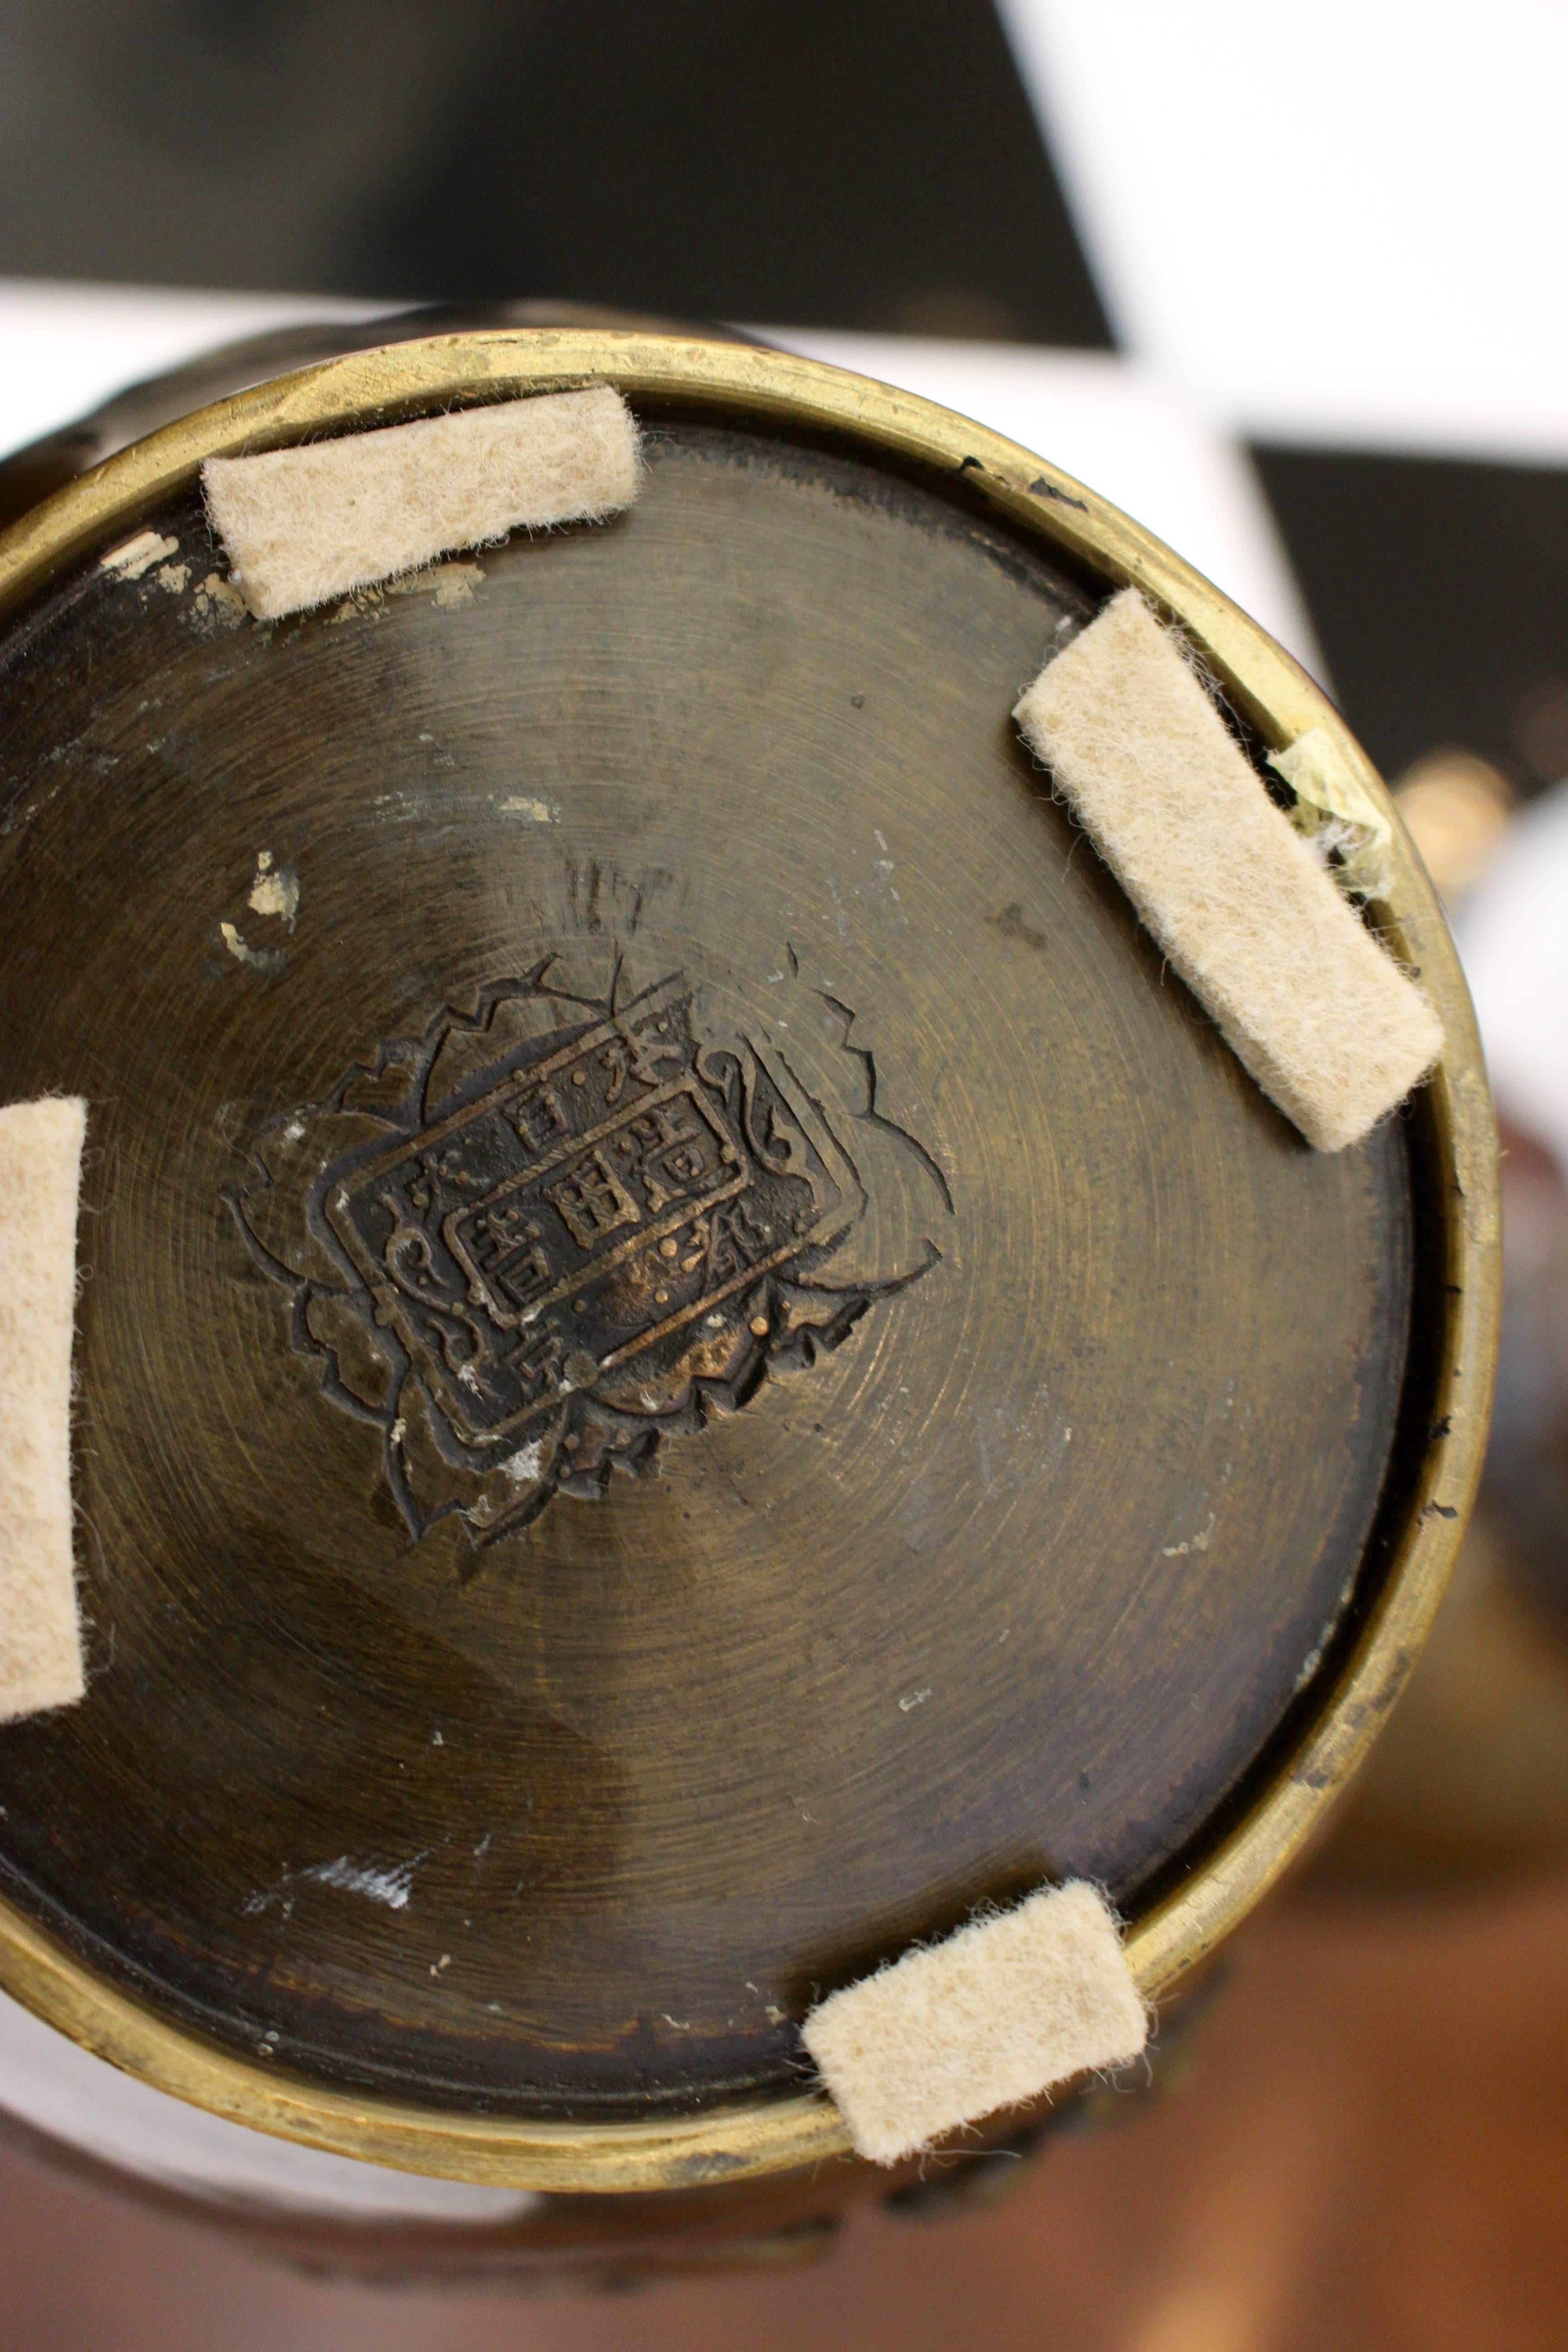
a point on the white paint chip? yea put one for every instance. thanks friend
(536, 812)
(391, 1886)
(40, 1629)
(388, 1887)
(1326, 1022)
(994, 2016)
(137, 555)
(305, 524)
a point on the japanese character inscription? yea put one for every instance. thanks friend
(531, 1278)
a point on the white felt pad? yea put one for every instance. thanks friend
(305, 524)
(40, 1634)
(992, 2017)
(1330, 1028)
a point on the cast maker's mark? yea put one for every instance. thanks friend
(590, 1242)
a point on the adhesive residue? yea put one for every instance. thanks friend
(274, 895)
(268, 960)
(275, 890)
(1200, 1542)
(453, 585)
(218, 603)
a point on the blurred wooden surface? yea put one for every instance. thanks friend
(1470, 1781)
(1371, 2155)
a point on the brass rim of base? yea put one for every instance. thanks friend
(1275, 695)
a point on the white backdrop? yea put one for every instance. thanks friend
(1120, 427)
(1341, 222)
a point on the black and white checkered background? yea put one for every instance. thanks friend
(1284, 282)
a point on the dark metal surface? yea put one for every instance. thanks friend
(1016, 1574)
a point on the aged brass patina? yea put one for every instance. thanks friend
(639, 968)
